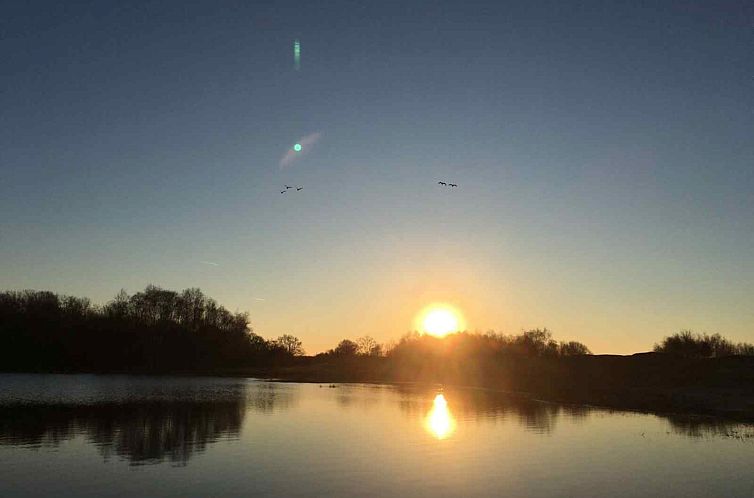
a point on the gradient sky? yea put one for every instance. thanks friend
(604, 152)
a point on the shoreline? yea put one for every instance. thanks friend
(726, 403)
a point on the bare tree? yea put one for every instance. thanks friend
(290, 344)
(368, 346)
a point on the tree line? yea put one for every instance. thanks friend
(692, 345)
(164, 330)
(152, 330)
(536, 342)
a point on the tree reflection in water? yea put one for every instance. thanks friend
(173, 426)
(443, 411)
(479, 405)
(709, 427)
(142, 432)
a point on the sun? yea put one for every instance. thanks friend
(439, 320)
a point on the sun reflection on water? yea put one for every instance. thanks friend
(439, 422)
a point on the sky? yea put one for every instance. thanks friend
(603, 151)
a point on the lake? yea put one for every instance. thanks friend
(143, 436)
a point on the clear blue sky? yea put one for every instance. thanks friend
(604, 153)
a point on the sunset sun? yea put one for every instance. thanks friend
(439, 320)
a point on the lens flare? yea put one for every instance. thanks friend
(299, 149)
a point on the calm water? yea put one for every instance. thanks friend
(81, 435)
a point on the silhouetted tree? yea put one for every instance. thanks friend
(572, 348)
(367, 346)
(691, 345)
(290, 344)
(346, 347)
(536, 342)
(154, 329)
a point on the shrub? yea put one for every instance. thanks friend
(691, 345)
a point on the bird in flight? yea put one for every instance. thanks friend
(453, 184)
(442, 183)
(287, 187)
(299, 188)
(283, 191)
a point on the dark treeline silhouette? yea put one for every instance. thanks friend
(152, 330)
(536, 342)
(690, 345)
(466, 358)
(162, 330)
(460, 358)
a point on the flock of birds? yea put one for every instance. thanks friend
(287, 187)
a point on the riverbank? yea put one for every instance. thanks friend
(649, 382)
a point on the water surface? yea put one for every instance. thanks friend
(88, 435)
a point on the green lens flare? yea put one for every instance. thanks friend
(297, 147)
(296, 55)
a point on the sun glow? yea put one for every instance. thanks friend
(439, 422)
(439, 320)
